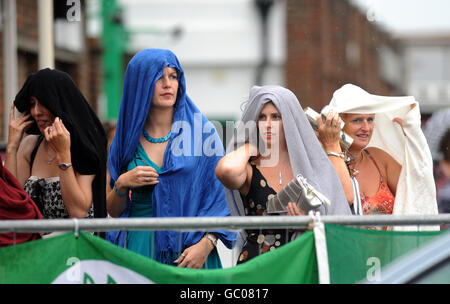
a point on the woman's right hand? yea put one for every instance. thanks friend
(329, 131)
(138, 177)
(17, 127)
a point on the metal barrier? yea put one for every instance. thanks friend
(232, 223)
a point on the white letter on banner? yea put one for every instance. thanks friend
(74, 273)
(374, 272)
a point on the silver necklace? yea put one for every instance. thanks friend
(355, 171)
(281, 176)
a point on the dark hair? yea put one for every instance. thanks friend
(444, 145)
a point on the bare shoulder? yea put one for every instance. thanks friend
(27, 145)
(382, 156)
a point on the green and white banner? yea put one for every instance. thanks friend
(353, 255)
(360, 254)
(89, 259)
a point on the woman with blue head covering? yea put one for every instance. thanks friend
(162, 162)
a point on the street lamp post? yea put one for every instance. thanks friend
(264, 7)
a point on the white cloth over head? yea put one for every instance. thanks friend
(416, 190)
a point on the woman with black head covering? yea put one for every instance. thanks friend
(62, 162)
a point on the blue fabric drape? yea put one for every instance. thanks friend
(187, 184)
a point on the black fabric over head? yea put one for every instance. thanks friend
(59, 94)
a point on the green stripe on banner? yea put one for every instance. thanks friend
(355, 254)
(89, 259)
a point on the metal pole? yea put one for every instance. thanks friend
(114, 41)
(46, 40)
(9, 60)
(264, 7)
(233, 223)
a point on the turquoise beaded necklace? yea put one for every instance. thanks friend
(157, 140)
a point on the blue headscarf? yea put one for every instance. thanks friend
(187, 184)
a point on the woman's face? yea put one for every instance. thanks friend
(270, 124)
(166, 88)
(360, 128)
(43, 117)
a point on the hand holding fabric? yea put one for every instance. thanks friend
(17, 127)
(400, 122)
(138, 177)
(329, 131)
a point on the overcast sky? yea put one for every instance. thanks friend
(397, 16)
(409, 16)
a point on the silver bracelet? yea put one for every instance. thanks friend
(212, 239)
(341, 155)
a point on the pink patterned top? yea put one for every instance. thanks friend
(381, 202)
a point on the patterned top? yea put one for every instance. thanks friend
(46, 193)
(260, 241)
(381, 202)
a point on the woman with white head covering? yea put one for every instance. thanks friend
(392, 162)
(253, 173)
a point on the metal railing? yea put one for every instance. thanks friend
(232, 223)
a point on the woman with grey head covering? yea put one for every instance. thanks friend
(253, 173)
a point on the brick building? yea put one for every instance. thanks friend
(330, 43)
(74, 52)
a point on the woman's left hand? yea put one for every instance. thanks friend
(196, 255)
(400, 122)
(59, 137)
(293, 209)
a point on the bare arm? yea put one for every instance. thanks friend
(116, 203)
(17, 149)
(329, 137)
(232, 169)
(76, 189)
(23, 158)
(393, 175)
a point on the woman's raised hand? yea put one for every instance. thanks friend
(58, 137)
(400, 122)
(329, 130)
(17, 127)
